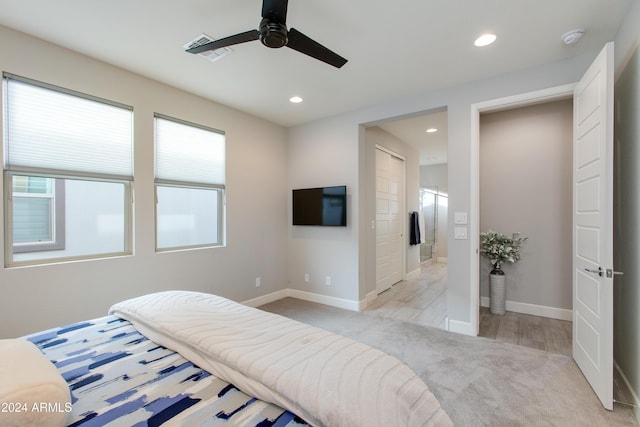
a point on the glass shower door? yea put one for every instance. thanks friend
(430, 213)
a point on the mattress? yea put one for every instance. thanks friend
(118, 377)
(327, 379)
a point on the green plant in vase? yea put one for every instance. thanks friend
(499, 248)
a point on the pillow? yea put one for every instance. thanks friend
(32, 391)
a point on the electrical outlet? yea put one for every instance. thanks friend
(258, 282)
(327, 280)
(306, 277)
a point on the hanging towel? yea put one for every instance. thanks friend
(414, 232)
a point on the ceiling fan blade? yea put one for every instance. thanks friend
(247, 36)
(275, 10)
(303, 44)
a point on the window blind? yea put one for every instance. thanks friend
(57, 131)
(187, 153)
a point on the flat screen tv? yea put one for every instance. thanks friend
(326, 206)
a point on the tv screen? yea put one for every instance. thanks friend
(325, 206)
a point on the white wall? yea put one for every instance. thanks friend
(435, 176)
(322, 154)
(324, 157)
(342, 133)
(526, 187)
(34, 298)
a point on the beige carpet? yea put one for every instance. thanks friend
(479, 382)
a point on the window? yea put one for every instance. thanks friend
(38, 212)
(190, 185)
(68, 169)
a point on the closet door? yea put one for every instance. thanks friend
(390, 220)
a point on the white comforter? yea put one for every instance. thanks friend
(326, 379)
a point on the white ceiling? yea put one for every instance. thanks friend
(395, 49)
(431, 146)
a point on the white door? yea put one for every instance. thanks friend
(389, 220)
(593, 225)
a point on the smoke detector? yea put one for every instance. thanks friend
(211, 55)
(572, 36)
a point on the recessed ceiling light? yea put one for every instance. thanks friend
(432, 130)
(485, 40)
(295, 99)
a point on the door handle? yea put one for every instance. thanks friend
(599, 271)
(611, 273)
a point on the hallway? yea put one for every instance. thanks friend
(421, 299)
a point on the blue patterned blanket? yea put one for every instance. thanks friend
(118, 377)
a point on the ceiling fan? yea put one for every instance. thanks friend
(272, 32)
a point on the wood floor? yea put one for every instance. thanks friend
(542, 333)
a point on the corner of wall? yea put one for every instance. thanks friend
(459, 327)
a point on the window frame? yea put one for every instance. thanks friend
(60, 175)
(8, 223)
(221, 223)
(219, 188)
(57, 223)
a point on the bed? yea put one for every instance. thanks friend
(190, 359)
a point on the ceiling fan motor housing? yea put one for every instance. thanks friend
(273, 34)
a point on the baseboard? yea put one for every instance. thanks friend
(634, 395)
(535, 310)
(308, 296)
(371, 296)
(266, 299)
(460, 327)
(327, 300)
(413, 274)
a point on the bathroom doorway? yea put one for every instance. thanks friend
(434, 205)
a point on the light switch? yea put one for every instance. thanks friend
(460, 233)
(460, 218)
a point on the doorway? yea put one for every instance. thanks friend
(522, 100)
(427, 133)
(434, 205)
(526, 187)
(592, 211)
(421, 138)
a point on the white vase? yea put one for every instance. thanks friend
(497, 292)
